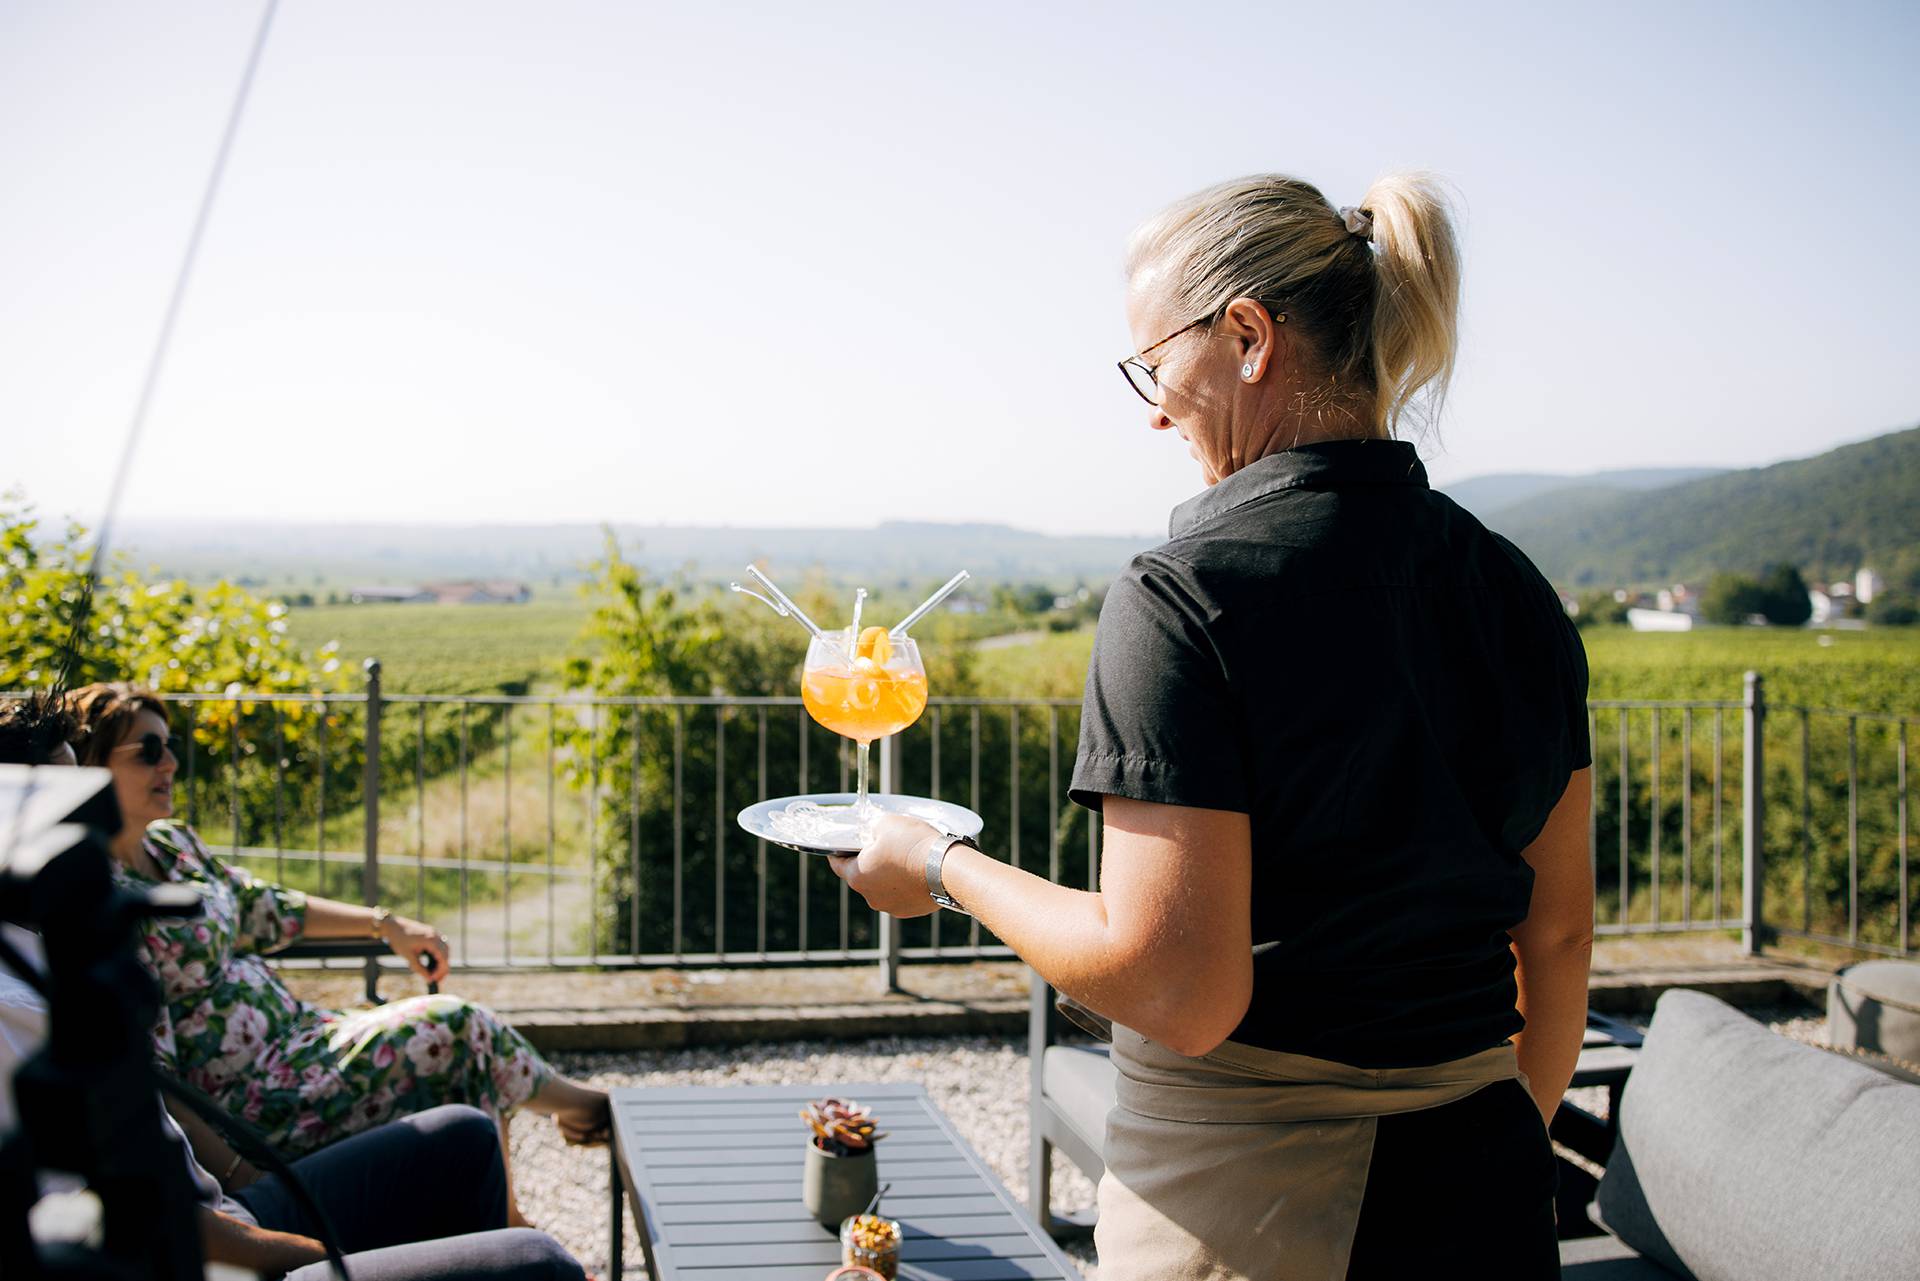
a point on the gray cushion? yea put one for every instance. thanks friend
(1876, 1006)
(1605, 1258)
(1079, 1079)
(1743, 1154)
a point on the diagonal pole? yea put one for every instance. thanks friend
(163, 344)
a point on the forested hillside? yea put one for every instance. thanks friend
(1828, 515)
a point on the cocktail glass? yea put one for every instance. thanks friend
(880, 690)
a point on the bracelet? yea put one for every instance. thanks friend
(380, 918)
(238, 1161)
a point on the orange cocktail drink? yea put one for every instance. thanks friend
(864, 687)
(881, 691)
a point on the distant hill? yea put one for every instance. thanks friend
(1483, 495)
(1859, 504)
(1830, 514)
(542, 554)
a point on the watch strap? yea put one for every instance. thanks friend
(936, 858)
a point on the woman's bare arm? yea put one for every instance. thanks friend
(1553, 947)
(1164, 947)
(410, 939)
(261, 1250)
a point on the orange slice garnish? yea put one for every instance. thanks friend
(874, 643)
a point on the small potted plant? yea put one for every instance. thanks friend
(840, 1177)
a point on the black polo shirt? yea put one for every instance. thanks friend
(1393, 695)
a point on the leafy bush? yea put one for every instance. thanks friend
(1779, 596)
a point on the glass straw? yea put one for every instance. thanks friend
(899, 629)
(783, 604)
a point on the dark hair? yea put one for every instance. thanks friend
(31, 728)
(105, 712)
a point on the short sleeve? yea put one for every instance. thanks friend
(1579, 736)
(1158, 722)
(266, 917)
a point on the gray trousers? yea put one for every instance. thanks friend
(423, 1198)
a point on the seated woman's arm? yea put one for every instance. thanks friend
(1553, 947)
(271, 916)
(410, 940)
(224, 1239)
(1165, 947)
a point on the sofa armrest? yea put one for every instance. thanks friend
(343, 949)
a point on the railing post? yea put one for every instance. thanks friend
(1753, 804)
(370, 806)
(889, 926)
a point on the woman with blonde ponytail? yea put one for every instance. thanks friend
(1337, 730)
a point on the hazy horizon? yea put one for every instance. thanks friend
(762, 267)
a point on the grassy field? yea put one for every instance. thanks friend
(448, 649)
(1877, 670)
(484, 648)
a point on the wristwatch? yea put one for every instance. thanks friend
(936, 855)
(377, 926)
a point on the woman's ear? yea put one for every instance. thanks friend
(1259, 341)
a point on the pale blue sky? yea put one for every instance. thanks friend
(834, 263)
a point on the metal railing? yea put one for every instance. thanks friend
(599, 831)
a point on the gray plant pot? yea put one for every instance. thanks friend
(833, 1187)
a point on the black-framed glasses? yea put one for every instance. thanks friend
(152, 747)
(1145, 378)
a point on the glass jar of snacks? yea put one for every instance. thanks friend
(869, 1241)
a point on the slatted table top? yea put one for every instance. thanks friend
(712, 1175)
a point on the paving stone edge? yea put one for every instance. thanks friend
(656, 1028)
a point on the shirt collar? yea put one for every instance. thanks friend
(1326, 464)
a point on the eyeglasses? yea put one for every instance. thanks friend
(152, 747)
(1145, 378)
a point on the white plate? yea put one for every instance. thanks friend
(772, 820)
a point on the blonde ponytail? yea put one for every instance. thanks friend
(1416, 308)
(1375, 306)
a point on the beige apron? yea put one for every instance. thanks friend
(1249, 1164)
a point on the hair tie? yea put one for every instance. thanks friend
(1359, 221)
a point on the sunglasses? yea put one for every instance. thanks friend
(152, 748)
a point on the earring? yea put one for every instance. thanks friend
(1246, 371)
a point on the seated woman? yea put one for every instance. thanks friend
(305, 1075)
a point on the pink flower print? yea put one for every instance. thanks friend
(372, 1106)
(384, 1054)
(256, 1100)
(281, 1076)
(479, 1038)
(317, 1083)
(430, 1049)
(309, 1126)
(246, 1035)
(201, 934)
(195, 1024)
(289, 927)
(513, 1078)
(183, 980)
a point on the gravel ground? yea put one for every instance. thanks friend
(979, 1082)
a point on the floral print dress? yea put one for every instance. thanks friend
(306, 1076)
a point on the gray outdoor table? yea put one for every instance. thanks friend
(713, 1177)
